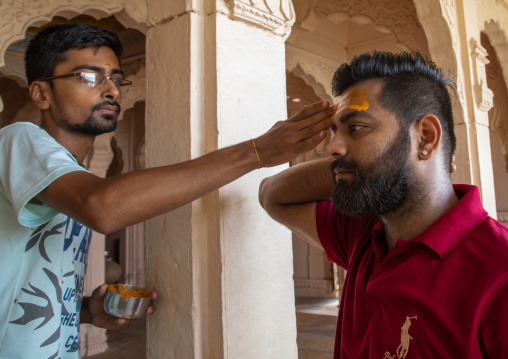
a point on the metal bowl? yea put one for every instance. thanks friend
(127, 301)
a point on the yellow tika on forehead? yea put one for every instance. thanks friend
(355, 100)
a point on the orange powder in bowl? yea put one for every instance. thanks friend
(132, 292)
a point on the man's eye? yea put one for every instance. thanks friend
(117, 80)
(354, 128)
(89, 79)
(334, 128)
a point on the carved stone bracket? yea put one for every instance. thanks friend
(276, 16)
(136, 92)
(483, 95)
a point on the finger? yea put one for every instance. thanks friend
(150, 310)
(325, 117)
(99, 292)
(103, 288)
(310, 143)
(314, 129)
(121, 323)
(310, 110)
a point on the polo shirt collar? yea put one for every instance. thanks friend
(445, 234)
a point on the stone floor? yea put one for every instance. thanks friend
(315, 320)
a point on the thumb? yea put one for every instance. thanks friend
(100, 291)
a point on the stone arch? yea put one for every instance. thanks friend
(439, 22)
(499, 42)
(316, 90)
(18, 16)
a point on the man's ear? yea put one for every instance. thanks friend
(40, 94)
(429, 131)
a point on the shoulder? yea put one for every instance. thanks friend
(19, 127)
(25, 134)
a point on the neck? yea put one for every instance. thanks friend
(77, 144)
(418, 213)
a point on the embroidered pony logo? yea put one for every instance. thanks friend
(404, 341)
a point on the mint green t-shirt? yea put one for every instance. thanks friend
(43, 253)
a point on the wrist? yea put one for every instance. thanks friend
(84, 315)
(256, 152)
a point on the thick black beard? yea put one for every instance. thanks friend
(93, 127)
(380, 188)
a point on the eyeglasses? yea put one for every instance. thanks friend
(92, 79)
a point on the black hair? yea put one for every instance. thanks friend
(49, 47)
(412, 86)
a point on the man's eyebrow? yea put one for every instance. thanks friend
(97, 69)
(348, 116)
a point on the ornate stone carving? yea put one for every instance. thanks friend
(136, 92)
(316, 71)
(450, 16)
(325, 284)
(398, 16)
(134, 15)
(498, 114)
(276, 16)
(483, 95)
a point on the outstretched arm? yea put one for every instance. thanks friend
(290, 196)
(108, 204)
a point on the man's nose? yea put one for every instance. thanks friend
(336, 147)
(110, 90)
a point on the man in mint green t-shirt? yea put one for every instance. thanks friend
(49, 203)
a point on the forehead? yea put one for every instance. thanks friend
(360, 97)
(361, 102)
(102, 57)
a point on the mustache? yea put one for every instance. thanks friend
(342, 164)
(107, 103)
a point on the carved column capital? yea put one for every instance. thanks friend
(483, 95)
(276, 16)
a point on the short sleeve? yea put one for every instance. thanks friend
(31, 160)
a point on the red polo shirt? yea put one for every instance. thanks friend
(443, 294)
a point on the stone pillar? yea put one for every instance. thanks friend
(222, 268)
(93, 340)
(483, 100)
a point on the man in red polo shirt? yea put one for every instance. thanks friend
(427, 267)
